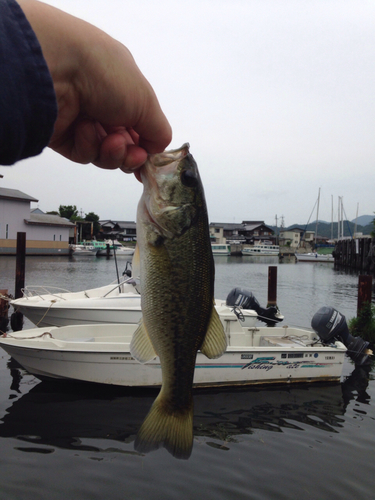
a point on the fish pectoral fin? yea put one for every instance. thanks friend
(215, 341)
(141, 347)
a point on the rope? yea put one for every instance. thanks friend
(6, 335)
(6, 297)
(45, 314)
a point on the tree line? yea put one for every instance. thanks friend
(70, 212)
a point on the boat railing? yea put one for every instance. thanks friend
(120, 285)
(40, 290)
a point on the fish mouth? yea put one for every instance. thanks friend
(167, 157)
(155, 206)
(159, 160)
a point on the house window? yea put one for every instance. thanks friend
(60, 237)
(6, 231)
(54, 237)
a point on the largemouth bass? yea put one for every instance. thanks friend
(177, 280)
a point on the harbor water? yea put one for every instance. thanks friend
(69, 440)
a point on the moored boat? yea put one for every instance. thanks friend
(118, 303)
(101, 354)
(314, 257)
(111, 247)
(261, 249)
(220, 248)
(49, 306)
(255, 355)
(82, 250)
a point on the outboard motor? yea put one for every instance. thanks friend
(331, 325)
(239, 297)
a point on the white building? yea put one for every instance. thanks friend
(217, 233)
(291, 237)
(45, 234)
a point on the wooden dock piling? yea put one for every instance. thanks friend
(4, 306)
(16, 319)
(272, 286)
(20, 264)
(356, 253)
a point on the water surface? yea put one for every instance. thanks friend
(61, 440)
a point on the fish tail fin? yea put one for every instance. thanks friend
(168, 428)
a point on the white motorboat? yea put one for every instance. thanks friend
(261, 249)
(83, 250)
(220, 249)
(100, 353)
(109, 247)
(314, 257)
(48, 306)
(117, 303)
(123, 251)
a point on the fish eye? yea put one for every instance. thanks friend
(189, 178)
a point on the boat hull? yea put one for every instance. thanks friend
(82, 312)
(220, 249)
(100, 354)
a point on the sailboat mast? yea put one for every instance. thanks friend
(356, 219)
(317, 218)
(342, 217)
(331, 216)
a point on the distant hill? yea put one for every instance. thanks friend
(324, 228)
(364, 220)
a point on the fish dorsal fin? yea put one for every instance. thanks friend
(136, 263)
(141, 347)
(215, 341)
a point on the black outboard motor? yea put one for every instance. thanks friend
(239, 297)
(331, 325)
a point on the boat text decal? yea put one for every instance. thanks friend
(267, 363)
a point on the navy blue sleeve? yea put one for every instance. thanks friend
(28, 107)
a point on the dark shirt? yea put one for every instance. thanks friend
(28, 107)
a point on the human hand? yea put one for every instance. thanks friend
(108, 113)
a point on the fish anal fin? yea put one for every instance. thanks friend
(215, 341)
(141, 347)
(163, 427)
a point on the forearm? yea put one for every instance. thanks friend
(108, 113)
(27, 101)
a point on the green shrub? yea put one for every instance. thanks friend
(364, 324)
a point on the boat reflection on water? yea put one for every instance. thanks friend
(63, 415)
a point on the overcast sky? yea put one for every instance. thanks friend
(275, 97)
